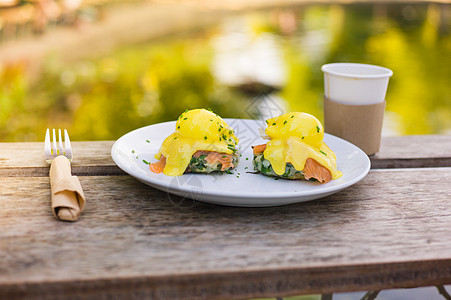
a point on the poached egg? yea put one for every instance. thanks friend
(195, 130)
(295, 137)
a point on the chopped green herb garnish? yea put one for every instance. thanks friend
(220, 139)
(146, 162)
(231, 147)
(148, 141)
(274, 123)
(247, 158)
(285, 122)
(178, 127)
(292, 117)
(175, 137)
(323, 152)
(185, 118)
(303, 137)
(318, 129)
(230, 132)
(133, 151)
(205, 137)
(266, 121)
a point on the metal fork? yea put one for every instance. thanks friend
(57, 149)
(68, 199)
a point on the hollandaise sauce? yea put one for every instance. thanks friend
(202, 142)
(296, 149)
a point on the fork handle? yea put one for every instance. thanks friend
(68, 199)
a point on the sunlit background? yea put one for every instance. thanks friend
(103, 68)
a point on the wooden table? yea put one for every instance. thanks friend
(391, 230)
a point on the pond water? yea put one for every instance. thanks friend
(271, 57)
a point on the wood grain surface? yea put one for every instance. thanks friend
(135, 242)
(413, 151)
(27, 159)
(94, 158)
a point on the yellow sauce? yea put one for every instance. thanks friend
(196, 129)
(295, 137)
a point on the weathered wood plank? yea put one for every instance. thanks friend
(27, 159)
(133, 241)
(413, 151)
(93, 158)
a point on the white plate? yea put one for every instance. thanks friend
(241, 188)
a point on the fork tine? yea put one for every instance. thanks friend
(47, 146)
(60, 143)
(67, 146)
(54, 149)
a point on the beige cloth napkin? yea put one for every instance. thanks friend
(68, 199)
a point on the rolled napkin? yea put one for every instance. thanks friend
(68, 199)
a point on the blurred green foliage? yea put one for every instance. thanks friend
(418, 52)
(142, 84)
(105, 98)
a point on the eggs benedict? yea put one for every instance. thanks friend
(296, 150)
(201, 143)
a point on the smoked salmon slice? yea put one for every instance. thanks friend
(312, 168)
(211, 157)
(259, 148)
(157, 167)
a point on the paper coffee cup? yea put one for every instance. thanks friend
(354, 103)
(351, 83)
